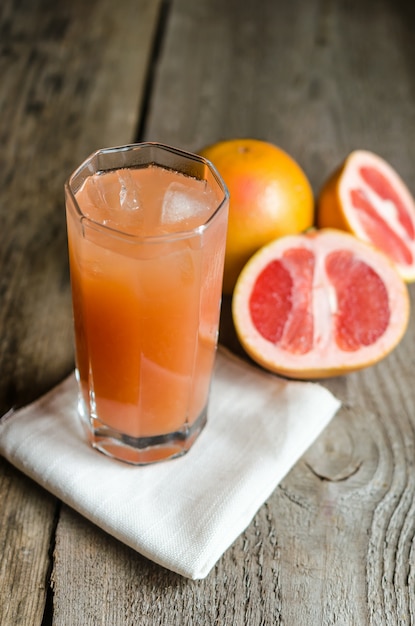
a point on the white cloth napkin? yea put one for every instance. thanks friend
(183, 513)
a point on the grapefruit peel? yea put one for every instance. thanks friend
(319, 304)
(270, 196)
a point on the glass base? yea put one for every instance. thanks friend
(139, 450)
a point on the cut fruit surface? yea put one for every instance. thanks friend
(367, 197)
(319, 304)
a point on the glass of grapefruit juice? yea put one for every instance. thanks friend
(146, 234)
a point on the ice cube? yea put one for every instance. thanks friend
(94, 192)
(113, 191)
(181, 203)
(129, 191)
(113, 199)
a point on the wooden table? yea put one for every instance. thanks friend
(335, 543)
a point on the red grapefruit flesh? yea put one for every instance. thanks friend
(368, 198)
(319, 305)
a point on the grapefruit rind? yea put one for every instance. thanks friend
(335, 208)
(326, 358)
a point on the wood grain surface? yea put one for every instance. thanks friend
(335, 543)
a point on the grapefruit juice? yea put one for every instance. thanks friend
(146, 250)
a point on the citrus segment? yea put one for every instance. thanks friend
(381, 185)
(367, 197)
(363, 311)
(319, 304)
(378, 231)
(298, 333)
(270, 196)
(273, 288)
(284, 287)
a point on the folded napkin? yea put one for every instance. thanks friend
(183, 513)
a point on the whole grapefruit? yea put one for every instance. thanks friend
(270, 196)
(319, 304)
(367, 197)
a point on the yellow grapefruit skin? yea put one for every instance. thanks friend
(318, 305)
(270, 196)
(366, 197)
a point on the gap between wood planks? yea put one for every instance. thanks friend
(47, 618)
(154, 56)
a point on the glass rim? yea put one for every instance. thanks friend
(137, 238)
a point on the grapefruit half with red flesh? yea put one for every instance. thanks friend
(368, 198)
(319, 304)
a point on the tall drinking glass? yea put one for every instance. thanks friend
(146, 234)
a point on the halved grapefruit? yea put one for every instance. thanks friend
(368, 198)
(319, 304)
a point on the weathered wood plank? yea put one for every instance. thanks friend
(334, 544)
(72, 80)
(320, 80)
(26, 526)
